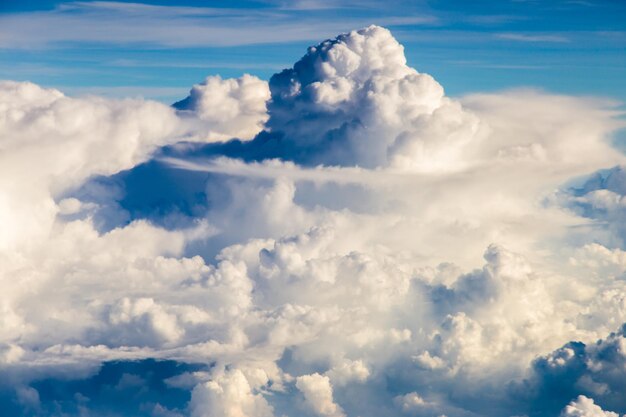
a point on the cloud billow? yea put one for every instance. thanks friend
(344, 240)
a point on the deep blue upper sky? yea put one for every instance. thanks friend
(158, 49)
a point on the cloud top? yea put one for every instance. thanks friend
(354, 101)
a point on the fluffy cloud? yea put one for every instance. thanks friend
(228, 395)
(51, 142)
(601, 198)
(318, 395)
(231, 107)
(594, 370)
(585, 407)
(348, 371)
(377, 248)
(354, 101)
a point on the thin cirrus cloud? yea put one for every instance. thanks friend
(171, 26)
(523, 37)
(343, 240)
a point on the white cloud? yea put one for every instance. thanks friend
(228, 395)
(231, 107)
(354, 101)
(410, 402)
(318, 395)
(307, 273)
(52, 143)
(585, 407)
(347, 372)
(525, 37)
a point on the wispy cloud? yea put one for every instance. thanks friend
(490, 65)
(523, 37)
(133, 63)
(174, 26)
(126, 91)
(324, 4)
(493, 20)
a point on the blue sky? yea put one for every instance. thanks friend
(158, 50)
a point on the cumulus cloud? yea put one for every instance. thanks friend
(410, 402)
(594, 370)
(585, 407)
(228, 395)
(231, 107)
(51, 142)
(348, 371)
(354, 101)
(318, 395)
(600, 198)
(367, 245)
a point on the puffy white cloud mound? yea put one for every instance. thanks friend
(234, 107)
(318, 395)
(51, 142)
(410, 403)
(228, 395)
(354, 101)
(65, 139)
(585, 407)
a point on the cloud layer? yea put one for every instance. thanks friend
(362, 245)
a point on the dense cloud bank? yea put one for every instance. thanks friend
(343, 241)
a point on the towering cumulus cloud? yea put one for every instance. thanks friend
(359, 245)
(353, 100)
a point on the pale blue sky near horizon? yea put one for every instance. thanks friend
(156, 49)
